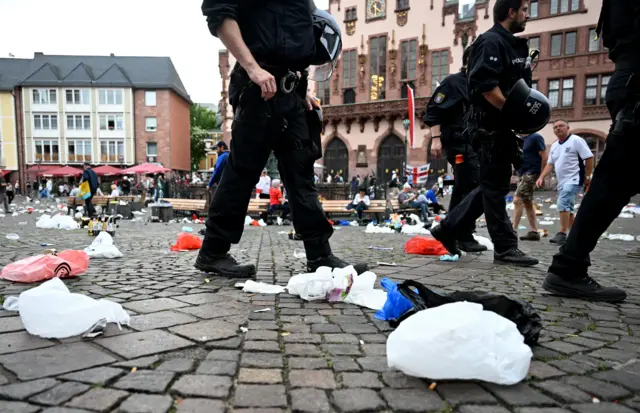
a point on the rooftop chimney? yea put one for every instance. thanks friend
(111, 54)
(36, 54)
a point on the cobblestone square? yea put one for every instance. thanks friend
(185, 352)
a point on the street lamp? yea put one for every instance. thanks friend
(405, 124)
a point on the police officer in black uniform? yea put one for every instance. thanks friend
(445, 116)
(497, 61)
(274, 42)
(614, 180)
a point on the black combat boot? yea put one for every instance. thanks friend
(447, 240)
(224, 265)
(584, 288)
(332, 261)
(469, 244)
(515, 257)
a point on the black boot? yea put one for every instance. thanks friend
(332, 261)
(447, 240)
(223, 265)
(471, 246)
(515, 257)
(584, 288)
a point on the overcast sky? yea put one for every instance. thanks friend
(174, 28)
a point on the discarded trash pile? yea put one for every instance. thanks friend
(400, 224)
(470, 335)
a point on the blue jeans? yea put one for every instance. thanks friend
(567, 197)
(360, 208)
(424, 208)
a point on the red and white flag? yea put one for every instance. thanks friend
(412, 120)
(418, 174)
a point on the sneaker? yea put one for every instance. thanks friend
(224, 265)
(332, 261)
(515, 257)
(531, 236)
(559, 239)
(585, 288)
(471, 246)
(447, 240)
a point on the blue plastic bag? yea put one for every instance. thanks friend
(344, 222)
(396, 304)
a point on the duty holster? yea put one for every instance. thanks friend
(503, 141)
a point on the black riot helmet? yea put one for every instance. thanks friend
(526, 110)
(328, 44)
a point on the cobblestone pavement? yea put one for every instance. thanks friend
(190, 356)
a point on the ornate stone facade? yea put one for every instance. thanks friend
(420, 53)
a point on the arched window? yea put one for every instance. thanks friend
(390, 158)
(336, 158)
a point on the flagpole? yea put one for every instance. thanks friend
(405, 124)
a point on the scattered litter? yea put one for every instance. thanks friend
(186, 242)
(22, 223)
(448, 257)
(133, 370)
(361, 342)
(283, 233)
(422, 245)
(51, 311)
(59, 221)
(354, 224)
(102, 247)
(12, 237)
(279, 221)
(373, 229)
(387, 264)
(381, 248)
(45, 266)
(207, 281)
(250, 286)
(631, 209)
(626, 215)
(621, 237)
(464, 342)
(264, 310)
(546, 222)
(244, 329)
(553, 206)
(595, 400)
(285, 333)
(432, 386)
(46, 245)
(187, 229)
(300, 254)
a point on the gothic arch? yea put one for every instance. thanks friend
(336, 157)
(390, 156)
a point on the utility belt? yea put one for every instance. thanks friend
(484, 132)
(287, 80)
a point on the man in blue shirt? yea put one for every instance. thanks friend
(535, 156)
(223, 155)
(432, 197)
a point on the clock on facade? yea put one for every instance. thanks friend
(376, 9)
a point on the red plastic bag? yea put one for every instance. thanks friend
(187, 242)
(44, 267)
(423, 245)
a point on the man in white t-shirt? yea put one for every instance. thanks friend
(573, 162)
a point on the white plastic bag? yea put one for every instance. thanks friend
(459, 341)
(51, 311)
(102, 247)
(321, 284)
(59, 221)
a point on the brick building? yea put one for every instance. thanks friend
(388, 45)
(112, 110)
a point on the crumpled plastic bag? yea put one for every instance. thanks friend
(459, 341)
(620, 237)
(187, 241)
(102, 247)
(396, 303)
(373, 229)
(519, 312)
(484, 241)
(338, 285)
(69, 263)
(51, 311)
(424, 246)
(59, 221)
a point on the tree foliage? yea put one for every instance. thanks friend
(198, 148)
(202, 121)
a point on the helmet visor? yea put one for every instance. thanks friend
(323, 72)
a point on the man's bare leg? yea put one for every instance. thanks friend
(517, 212)
(531, 215)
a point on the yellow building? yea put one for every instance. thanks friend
(8, 138)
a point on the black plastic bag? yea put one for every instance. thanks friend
(520, 312)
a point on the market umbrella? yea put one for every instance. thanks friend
(106, 170)
(62, 171)
(145, 168)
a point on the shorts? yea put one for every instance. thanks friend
(567, 197)
(526, 186)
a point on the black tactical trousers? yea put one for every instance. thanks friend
(259, 127)
(487, 198)
(609, 191)
(465, 178)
